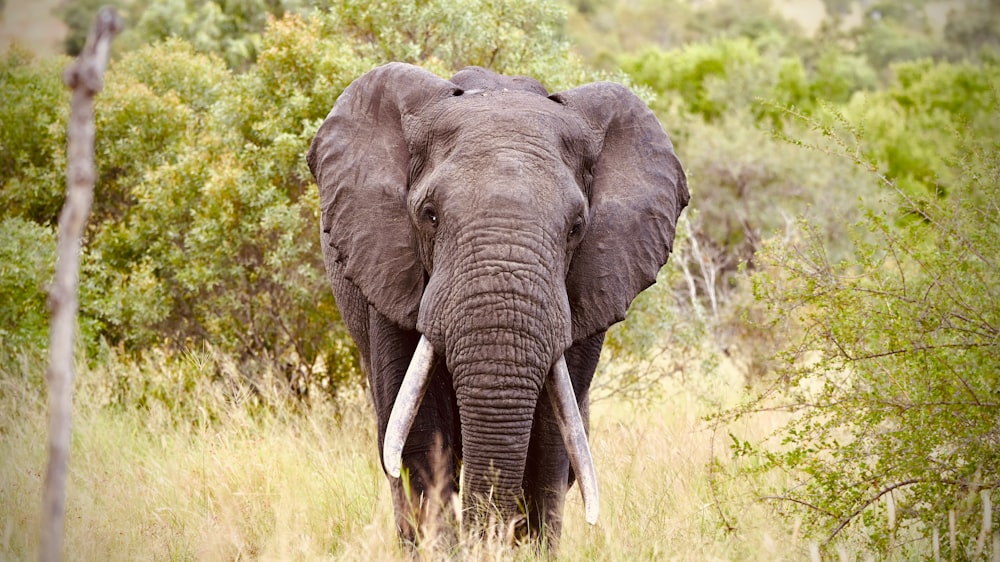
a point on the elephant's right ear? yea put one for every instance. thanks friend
(360, 158)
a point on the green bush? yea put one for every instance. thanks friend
(911, 128)
(703, 76)
(722, 76)
(204, 224)
(202, 235)
(27, 260)
(32, 137)
(892, 370)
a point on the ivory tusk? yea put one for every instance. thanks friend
(404, 409)
(567, 412)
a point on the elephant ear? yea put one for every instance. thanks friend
(637, 192)
(361, 160)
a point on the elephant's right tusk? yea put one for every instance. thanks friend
(567, 412)
(404, 410)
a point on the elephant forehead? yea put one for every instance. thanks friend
(500, 117)
(506, 146)
(528, 175)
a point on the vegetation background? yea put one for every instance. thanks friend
(816, 374)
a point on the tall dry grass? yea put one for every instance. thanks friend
(211, 476)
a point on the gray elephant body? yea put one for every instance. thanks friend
(509, 228)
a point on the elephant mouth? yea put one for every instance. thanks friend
(560, 393)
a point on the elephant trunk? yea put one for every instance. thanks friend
(509, 322)
(498, 375)
(498, 312)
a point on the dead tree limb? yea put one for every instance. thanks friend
(85, 78)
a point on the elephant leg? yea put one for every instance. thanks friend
(422, 494)
(548, 474)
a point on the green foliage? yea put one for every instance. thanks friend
(888, 331)
(839, 74)
(32, 137)
(722, 76)
(443, 34)
(894, 31)
(209, 237)
(702, 76)
(27, 260)
(894, 371)
(510, 37)
(910, 127)
(752, 19)
(204, 222)
(229, 28)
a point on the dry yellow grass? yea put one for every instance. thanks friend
(286, 486)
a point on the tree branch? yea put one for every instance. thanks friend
(843, 523)
(84, 77)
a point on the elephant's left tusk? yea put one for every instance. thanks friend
(404, 410)
(567, 412)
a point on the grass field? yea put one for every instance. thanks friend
(203, 475)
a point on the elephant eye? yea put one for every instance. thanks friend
(575, 229)
(431, 215)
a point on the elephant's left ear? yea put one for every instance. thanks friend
(637, 193)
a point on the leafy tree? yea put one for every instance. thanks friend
(909, 127)
(32, 137)
(27, 256)
(230, 29)
(512, 37)
(203, 230)
(603, 30)
(723, 76)
(752, 19)
(700, 75)
(892, 368)
(889, 31)
(210, 237)
(837, 75)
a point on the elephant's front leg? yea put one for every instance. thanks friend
(547, 474)
(422, 495)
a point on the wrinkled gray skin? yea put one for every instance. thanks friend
(508, 226)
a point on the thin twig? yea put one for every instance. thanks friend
(843, 523)
(711, 483)
(800, 502)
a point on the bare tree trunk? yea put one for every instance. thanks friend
(85, 78)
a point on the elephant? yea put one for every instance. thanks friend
(480, 236)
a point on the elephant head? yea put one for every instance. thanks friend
(501, 223)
